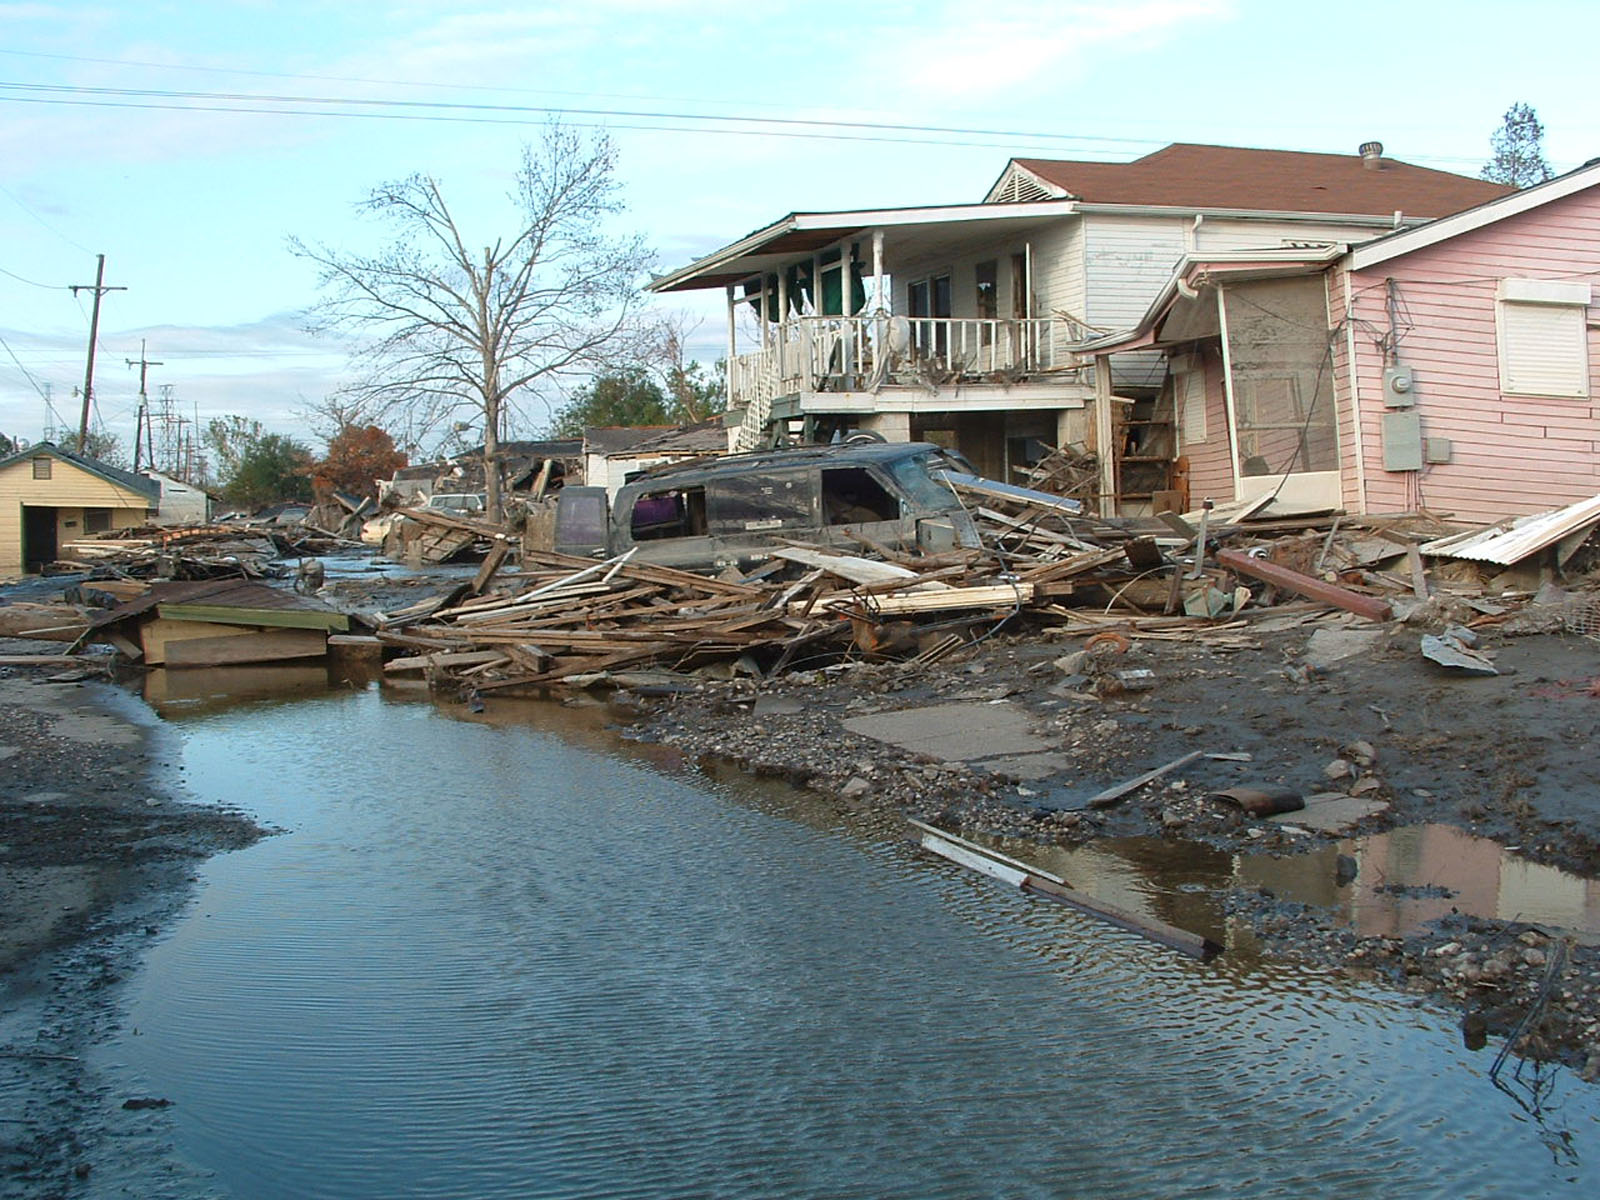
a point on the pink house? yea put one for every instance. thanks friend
(1451, 366)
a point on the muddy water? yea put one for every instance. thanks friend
(513, 959)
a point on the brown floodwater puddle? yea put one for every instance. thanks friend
(1382, 885)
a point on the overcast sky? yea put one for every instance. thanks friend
(160, 134)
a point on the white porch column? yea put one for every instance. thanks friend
(1227, 391)
(1102, 435)
(733, 327)
(877, 269)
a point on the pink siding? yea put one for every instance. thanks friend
(1211, 461)
(1512, 454)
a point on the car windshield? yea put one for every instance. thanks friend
(916, 475)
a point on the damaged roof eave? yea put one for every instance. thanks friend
(1195, 272)
(797, 233)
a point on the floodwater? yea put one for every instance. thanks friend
(503, 955)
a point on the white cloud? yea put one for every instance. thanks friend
(961, 51)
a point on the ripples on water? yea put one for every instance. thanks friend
(513, 960)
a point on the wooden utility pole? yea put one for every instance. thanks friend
(99, 289)
(144, 364)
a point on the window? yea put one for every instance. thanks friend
(987, 275)
(96, 520)
(762, 502)
(674, 513)
(852, 496)
(1543, 336)
(41, 468)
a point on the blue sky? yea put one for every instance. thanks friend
(193, 206)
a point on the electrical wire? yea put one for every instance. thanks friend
(445, 110)
(27, 374)
(53, 287)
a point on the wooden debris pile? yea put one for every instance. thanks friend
(1069, 471)
(432, 536)
(187, 553)
(566, 621)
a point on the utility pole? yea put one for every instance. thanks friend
(144, 364)
(99, 289)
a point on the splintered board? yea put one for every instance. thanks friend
(209, 644)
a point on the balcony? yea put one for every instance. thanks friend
(871, 354)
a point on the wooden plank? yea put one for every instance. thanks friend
(1002, 595)
(1112, 794)
(847, 566)
(443, 658)
(1370, 607)
(1419, 577)
(264, 645)
(491, 563)
(1038, 882)
(266, 618)
(53, 660)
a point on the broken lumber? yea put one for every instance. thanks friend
(1112, 794)
(1370, 607)
(1038, 882)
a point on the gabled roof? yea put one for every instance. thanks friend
(1187, 175)
(1516, 202)
(126, 480)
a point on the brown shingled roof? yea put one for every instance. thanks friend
(1186, 175)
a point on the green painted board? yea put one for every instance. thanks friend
(271, 618)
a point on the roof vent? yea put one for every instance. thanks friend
(1372, 155)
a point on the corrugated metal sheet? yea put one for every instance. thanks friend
(1508, 544)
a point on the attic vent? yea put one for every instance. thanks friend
(1020, 188)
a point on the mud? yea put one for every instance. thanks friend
(1503, 757)
(97, 849)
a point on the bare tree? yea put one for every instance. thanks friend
(694, 396)
(452, 331)
(1518, 149)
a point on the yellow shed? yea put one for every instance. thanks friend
(49, 496)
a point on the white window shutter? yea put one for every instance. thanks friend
(1544, 349)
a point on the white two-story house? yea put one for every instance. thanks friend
(959, 324)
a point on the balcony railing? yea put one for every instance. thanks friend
(814, 354)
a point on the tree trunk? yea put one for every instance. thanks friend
(492, 501)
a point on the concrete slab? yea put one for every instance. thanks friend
(1329, 646)
(1333, 812)
(953, 732)
(1028, 766)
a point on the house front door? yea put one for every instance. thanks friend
(39, 546)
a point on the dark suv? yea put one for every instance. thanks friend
(713, 513)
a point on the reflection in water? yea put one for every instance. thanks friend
(502, 959)
(1408, 877)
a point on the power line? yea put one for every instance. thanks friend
(27, 374)
(53, 287)
(449, 109)
(17, 200)
(816, 129)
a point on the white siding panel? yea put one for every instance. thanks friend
(1058, 269)
(1218, 233)
(1126, 260)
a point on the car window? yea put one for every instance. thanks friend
(668, 513)
(762, 501)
